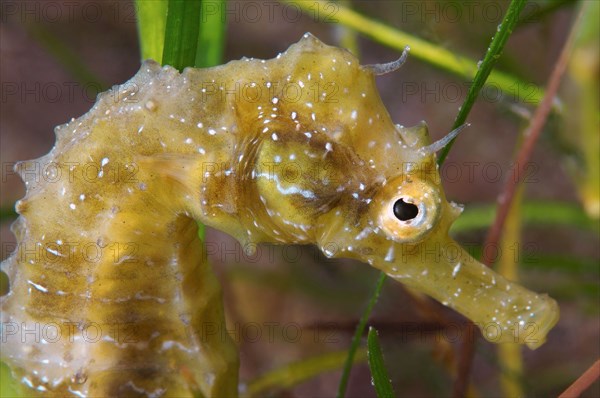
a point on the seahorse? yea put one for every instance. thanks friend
(109, 288)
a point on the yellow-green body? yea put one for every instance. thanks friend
(298, 149)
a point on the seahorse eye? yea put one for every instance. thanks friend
(405, 211)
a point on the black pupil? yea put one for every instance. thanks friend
(405, 211)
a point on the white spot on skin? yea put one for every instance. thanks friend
(363, 234)
(354, 114)
(72, 206)
(389, 257)
(294, 114)
(53, 251)
(212, 131)
(38, 287)
(274, 136)
(275, 100)
(104, 162)
(456, 269)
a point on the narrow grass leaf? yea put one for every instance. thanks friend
(211, 35)
(534, 213)
(360, 329)
(181, 35)
(510, 357)
(379, 374)
(151, 21)
(485, 68)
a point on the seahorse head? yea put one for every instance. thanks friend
(400, 224)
